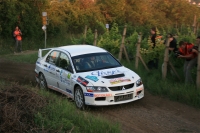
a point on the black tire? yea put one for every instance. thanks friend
(42, 82)
(79, 98)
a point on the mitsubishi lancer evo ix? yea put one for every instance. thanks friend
(88, 74)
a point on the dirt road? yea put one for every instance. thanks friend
(151, 114)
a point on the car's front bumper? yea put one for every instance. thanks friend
(112, 98)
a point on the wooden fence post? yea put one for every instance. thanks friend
(138, 56)
(138, 50)
(122, 47)
(95, 38)
(166, 58)
(195, 24)
(85, 33)
(198, 67)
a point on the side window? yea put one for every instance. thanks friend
(64, 61)
(52, 57)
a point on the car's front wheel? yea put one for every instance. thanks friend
(42, 83)
(79, 98)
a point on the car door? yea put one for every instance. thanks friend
(64, 72)
(50, 67)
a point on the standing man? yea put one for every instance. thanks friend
(172, 43)
(189, 53)
(154, 62)
(153, 36)
(18, 39)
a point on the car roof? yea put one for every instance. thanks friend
(80, 49)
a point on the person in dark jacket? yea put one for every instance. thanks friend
(153, 36)
(173, 43)
(153, 63)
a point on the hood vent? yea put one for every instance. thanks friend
(114, 76)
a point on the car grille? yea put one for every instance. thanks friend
(123, 97)
(117, 88)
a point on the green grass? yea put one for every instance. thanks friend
(23, 58)
(62, 116)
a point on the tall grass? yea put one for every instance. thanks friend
(62, 116)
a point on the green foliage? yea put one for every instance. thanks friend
(62, 116)
(130, 44)
(187, 36)
(109, 44)
(22, 13)
(149, 52)
(89, 37)
(110, 40)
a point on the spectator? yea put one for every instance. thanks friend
(153, 63)
(153, 36)
(189, 53)
(172, 43)
(18, 39)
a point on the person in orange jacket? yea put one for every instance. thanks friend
(189, 53)
(18, 39)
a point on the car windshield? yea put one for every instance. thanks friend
(95, 61)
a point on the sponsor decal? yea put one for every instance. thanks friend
(105, 73)
(97, 95)
(103, 95)
(38, 62)
(73, 77)
(63, 78)
(82, 81)
(68, 75)
(88, 94)
(119, 80)
(51, 67)
(69, 91)
(93, 78)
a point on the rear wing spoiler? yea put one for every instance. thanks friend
(40, 51)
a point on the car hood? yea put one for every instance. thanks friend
(108, 77)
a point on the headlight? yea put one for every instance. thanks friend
(96, 89)
(138, 82)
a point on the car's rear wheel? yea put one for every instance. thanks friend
(42, 83)
(79, 98)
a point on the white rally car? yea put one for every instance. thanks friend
(88, 74)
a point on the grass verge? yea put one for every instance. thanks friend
(62, 116)
(44, 111)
